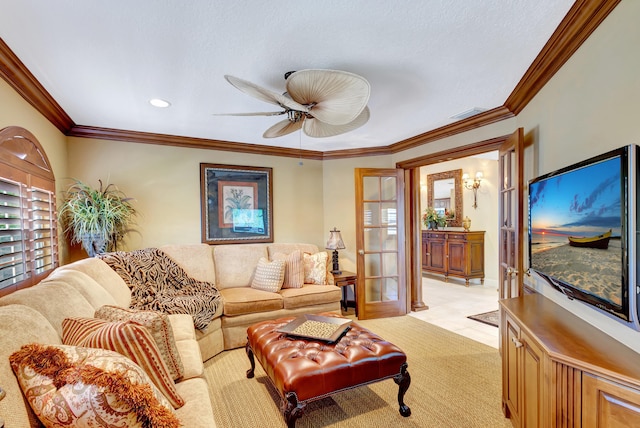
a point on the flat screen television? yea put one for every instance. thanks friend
(582, 232)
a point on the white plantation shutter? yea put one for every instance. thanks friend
(13, 231)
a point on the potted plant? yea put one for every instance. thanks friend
(96, 218)
(432, 219)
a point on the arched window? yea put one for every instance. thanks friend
(28, 220)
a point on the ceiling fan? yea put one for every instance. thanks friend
(323, 103)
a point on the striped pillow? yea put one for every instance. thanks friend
(158, 324)
(269, 275)
(127, 338)
(293, 269)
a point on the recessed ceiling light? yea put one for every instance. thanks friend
(157, 102)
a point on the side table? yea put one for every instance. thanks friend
(344, 280)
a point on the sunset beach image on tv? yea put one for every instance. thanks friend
(575, 228)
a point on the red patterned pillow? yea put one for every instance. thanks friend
(74, 386)
(158, 325)
(127, 338)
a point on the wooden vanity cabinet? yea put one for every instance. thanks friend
(453, 253)
(559, 371)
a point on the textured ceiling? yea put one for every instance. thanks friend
(426, 60)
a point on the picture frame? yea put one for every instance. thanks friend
(236, 204)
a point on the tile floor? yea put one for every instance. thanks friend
(451, 302)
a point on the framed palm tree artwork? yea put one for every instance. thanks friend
(236, 204)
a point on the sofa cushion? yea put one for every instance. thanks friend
(310, 295)
(69, 386)
(315, 268)
(39, 297)
(106, 277)
(19, 325)
(195, 259)
(159, 327)
(293, 270)
(95, 294)
(246, 300)
(235, 264)
(269, 275)
(127, 338)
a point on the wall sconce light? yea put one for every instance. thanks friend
(473, 185)
(335, 243)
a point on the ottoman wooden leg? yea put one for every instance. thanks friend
(403, 380)
(251, 360)
(292, 409)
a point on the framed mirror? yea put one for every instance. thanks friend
(444, 193)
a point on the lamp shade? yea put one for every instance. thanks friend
(335, 240)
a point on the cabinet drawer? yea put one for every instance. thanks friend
(457, 236)
(436, 235)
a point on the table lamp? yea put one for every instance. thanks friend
(335, 243)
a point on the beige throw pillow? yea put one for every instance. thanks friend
(158, 325)
(315, 268)
(127, 338)
(269, 275)
(77, 386)
(293, 269)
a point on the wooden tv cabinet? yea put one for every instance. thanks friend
(454, 253)
(559, 371)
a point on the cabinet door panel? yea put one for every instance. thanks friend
(437, 256)
(532, 379)
(457, 258)
(511, 384)
(607, 404)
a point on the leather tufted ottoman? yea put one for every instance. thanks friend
(304, 370)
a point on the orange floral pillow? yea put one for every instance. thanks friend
(74, 386)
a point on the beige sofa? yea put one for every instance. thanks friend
(35, 314)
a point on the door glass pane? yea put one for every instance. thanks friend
(372, 264)
(371, 213)
(505, 241)
(505, 209)
(372, 290)
(390, 289)
(389, 189)
(388, 214)
(512, 168)
(372, 239)
(389, 239)
(371, 188)
(389, 264)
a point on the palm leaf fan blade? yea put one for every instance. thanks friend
(281, 128)
(336, 97)
(316, 129)
(264, 94)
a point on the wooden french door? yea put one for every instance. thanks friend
(380, 238)
(511, 214)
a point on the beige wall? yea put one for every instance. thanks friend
(165, 181)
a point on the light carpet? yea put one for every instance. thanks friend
(455, 382)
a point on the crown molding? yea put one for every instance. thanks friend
(581, 20)
(190, 142)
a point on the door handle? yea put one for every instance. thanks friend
(361, 252)
(516, 342)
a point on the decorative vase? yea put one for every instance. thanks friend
(466, 223)
(433, 225)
